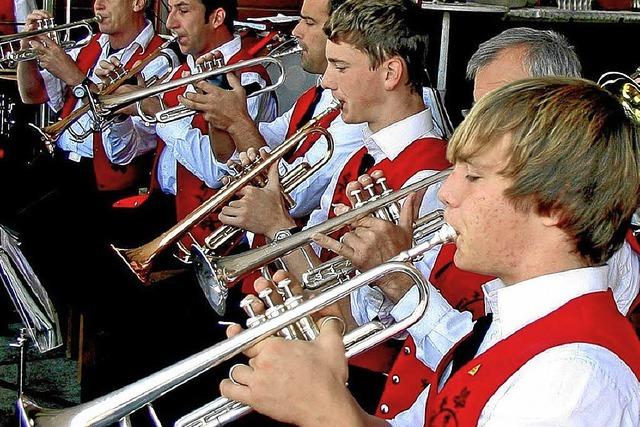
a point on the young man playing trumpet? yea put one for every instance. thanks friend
(556, 350)
(190, 161)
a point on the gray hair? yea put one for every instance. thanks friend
(548, 53)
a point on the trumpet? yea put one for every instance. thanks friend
(216, 274)
(10, 52)
(140, 260)
(118, 405)
(105, 107)
(222, 410)
(50, 134)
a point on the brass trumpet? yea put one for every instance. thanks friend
(51, 133)
(11, 54)
(216, 274)
(117, 405)
(626, 89)
(140, 259)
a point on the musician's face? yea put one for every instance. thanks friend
(311, 36)
(493, 236)
(507, 67)
(187, 20)
(117, 15)
(358, 88)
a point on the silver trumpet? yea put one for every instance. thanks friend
(116, 406)
(216, 274)
(10, 52)
(106, 106)
(222, 410)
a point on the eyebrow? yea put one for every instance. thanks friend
(307, 18)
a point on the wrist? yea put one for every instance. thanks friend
(283, 226)
(75, 80)
(241, 126)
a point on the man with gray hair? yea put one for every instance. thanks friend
(519, 53)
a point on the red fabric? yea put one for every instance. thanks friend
(460, 288)
(463, 291)
(191, 190)
(421, 154)
(7, 14)
(592, 318)
(109, 176)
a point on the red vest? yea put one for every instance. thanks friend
(592, 318)
(7, 14)
(109, 176)
(408, 376)
(421, 154)
(191, 190)
(302, 113)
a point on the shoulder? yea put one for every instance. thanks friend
(584, 383)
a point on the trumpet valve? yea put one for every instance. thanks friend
(356, 194)
(382, 182)
(284, 288)
(246, 305)
(116, 74)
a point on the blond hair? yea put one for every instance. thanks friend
(573, 152)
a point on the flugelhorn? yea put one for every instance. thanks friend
(140, 259)
(105, 107)
(626, 89)
(51, 133)
(117, 405)
(10, 52)
(216, 274)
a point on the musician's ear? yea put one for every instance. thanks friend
(139, 5)
(394, 71)
(217, 17)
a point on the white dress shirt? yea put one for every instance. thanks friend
(569, 385)
(116, 148)
(387, 143)
(23, 8)
(187, 144)
(347, 140)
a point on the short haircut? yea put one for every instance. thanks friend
(573, 152)
(382, 29)
(229, 6)
(547, 52)
(333, 5)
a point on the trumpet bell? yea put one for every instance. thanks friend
(626, 89)
(207, 275)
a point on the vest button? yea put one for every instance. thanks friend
(384, 408)
(395, 379)
(407, 350)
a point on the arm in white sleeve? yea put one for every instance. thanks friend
(193, 150)
(126, 139)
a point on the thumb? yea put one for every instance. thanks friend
(234, 81)
(273, 177)
(408, 212)
(332, 328)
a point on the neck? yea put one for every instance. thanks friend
(217, 39)
(396, 106)
(540, 260)
(128, 35)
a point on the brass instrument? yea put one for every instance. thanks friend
(11, 54)
(116, 406)
(105, 107)
(140, 259)
(51, 133)
(216, 274)
(626, 89)
(222, 410)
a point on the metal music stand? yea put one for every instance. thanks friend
(30, 300)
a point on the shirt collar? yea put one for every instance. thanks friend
(516, 306)
(141, 41)
(228, 50)
(394, 138)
